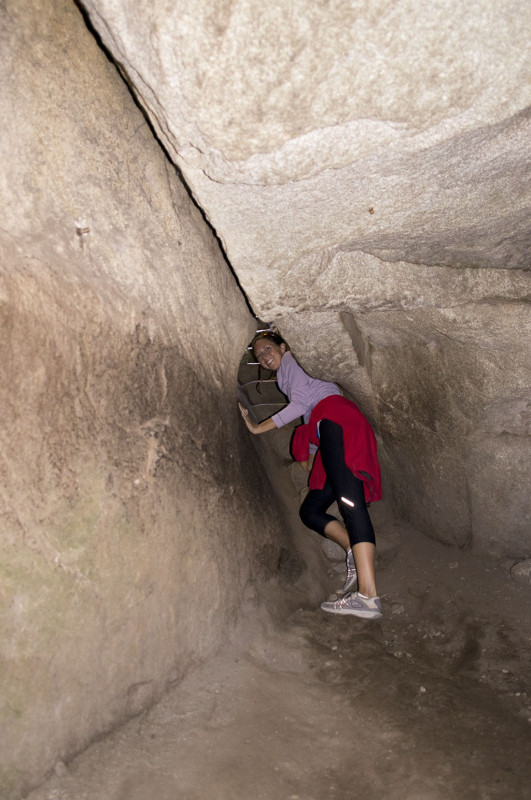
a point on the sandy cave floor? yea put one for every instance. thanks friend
(432, 702)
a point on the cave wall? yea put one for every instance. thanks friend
(292, 121)
(132, 526)
(366, 167)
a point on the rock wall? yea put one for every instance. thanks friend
(366, 166)
(291, 122)
(132, 526)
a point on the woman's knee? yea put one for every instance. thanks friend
(313, 516)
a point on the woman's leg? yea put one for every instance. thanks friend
(337, 532)
(313, 513)
(364, 553)
(349, 493)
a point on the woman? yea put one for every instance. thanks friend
(346, 468)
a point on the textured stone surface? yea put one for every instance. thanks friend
(298, 118)
(366, 168)
(521, 572)
(123, 461)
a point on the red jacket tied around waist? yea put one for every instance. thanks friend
(358, 439)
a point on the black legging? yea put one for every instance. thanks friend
(340, 485)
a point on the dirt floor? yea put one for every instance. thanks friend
(431, 702)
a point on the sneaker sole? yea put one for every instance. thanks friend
(353, 612)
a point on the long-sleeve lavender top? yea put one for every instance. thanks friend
(302, 391)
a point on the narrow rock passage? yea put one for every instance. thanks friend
(429, 703)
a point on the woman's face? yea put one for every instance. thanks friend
(269, 354)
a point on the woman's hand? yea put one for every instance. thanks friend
(262, 427)
(245, 414)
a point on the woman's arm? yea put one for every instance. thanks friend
(261, 427)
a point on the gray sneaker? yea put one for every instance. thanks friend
(366, 607)
(351, 582)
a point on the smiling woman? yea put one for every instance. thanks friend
(345, 469)
(268, 348)
(269, 352)
(258, 388)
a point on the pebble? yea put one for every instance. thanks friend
(521, 572)
(60, 768)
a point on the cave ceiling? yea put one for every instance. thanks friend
(379, 131)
